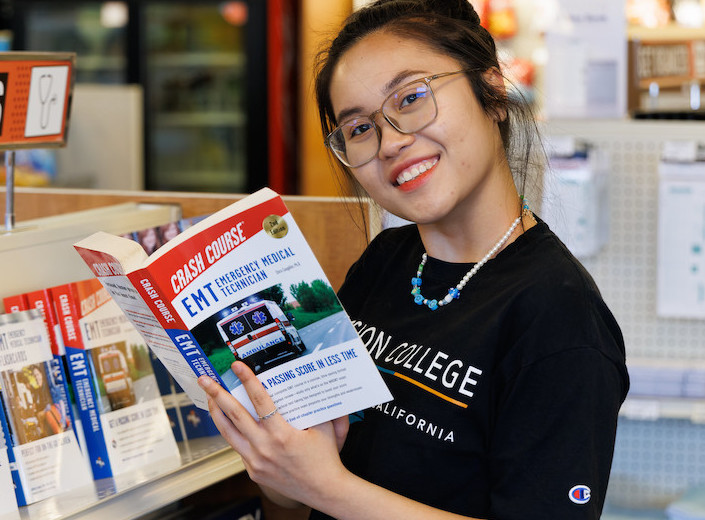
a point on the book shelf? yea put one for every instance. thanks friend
(205, 461)
(47, 218)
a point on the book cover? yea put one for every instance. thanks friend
(124, 422)
(42, 449)
(41, 300)
(243, 284)
(15, 303)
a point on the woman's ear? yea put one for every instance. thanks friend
(494, 79)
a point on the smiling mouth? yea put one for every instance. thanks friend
(411, 173)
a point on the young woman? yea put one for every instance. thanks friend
(511, 413)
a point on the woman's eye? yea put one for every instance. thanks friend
(408, 100)
(359, 129)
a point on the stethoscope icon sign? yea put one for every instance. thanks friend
(46, 99)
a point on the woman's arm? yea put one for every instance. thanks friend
(303, 465)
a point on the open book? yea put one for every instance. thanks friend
(243, 284)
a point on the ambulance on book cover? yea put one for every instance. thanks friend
(42, 446)
(124, 420)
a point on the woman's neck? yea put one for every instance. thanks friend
(468, 236)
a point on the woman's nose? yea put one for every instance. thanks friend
(391, 140)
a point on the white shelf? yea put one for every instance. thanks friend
(654, 408)
(205, 461)
(668, 33)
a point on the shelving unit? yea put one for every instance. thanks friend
(660, 448)
(205, 461)
(655, 408)
(335, 237)
(671, 32)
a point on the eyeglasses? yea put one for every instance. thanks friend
(408, 109)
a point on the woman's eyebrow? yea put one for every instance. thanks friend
(390, 86)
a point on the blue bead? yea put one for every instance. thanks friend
(418, 299)
(416, 281)
(455, 293)
(433, 305)
(416, 290)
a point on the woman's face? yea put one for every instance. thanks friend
(462, 148)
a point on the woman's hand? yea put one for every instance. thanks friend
(299, 464)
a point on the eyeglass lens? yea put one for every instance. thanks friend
(408, 110)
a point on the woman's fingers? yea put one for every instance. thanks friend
(227, 429)
(264, 406)
(341, 425)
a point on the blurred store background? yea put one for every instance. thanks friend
(213, 95)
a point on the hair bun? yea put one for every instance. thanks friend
(458, 9)
(455, 9)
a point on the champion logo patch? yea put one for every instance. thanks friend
(579, 494)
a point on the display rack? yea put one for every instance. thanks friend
(335, 237)
(205, 461)
(660, 448)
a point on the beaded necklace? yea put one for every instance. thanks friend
(454, 292)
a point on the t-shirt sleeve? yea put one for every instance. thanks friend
(553, 442)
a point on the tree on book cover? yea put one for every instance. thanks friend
(42, 446)
(124, 421)
(243, 284)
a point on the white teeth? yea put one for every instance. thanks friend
(415, 171)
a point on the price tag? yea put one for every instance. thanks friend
(35, 97)
(679, 151)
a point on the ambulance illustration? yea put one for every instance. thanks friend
(116, 378)
(261, 335)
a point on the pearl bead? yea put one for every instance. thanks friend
(454, 293)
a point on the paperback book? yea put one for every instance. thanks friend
(41, 300)
(124, 421)
(42, 448)
(243, 284)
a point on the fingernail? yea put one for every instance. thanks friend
(205, 382)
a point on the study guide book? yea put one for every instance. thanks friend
(125, 425)
(243, 284)
(42, 449)
(41, 300)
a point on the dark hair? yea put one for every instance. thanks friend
(451, 27)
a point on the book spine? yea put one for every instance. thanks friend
(68, 315)
(182, 338)
(9, 445)
(42, 301)
(15, 303)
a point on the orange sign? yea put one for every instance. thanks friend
(35, 98)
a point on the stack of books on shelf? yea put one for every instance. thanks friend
(80, 401)
(41, 441)
(241, 284)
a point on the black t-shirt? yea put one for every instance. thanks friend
(505, 400)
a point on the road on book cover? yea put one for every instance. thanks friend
(333, 330)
